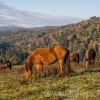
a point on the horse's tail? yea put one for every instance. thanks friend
(67, 67)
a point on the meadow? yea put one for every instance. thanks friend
(83, 84)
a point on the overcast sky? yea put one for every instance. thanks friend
(72, 8)
(39, 13)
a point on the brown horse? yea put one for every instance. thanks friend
(48, 56)
(90, 57)
(7, 65)
(74, 57)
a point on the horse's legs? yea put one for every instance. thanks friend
(10, 70)
(86, 64)
(39, 68)
(61, 62)
(91, 62)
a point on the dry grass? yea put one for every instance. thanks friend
(83, 84)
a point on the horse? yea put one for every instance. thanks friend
(90, 55)
(74, 57)
(48, 56)
(7, 65)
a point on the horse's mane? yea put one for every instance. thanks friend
(26, 68)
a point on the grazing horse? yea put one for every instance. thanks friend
(48, 56)
(7, 65)
(90, 57)
(74, 57)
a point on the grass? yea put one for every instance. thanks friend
(83, 84)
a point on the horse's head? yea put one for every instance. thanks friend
(74, 57)
(9, 65)
(28, 70)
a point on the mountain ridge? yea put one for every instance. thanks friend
(77, 37)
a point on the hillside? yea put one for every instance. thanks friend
(77, 37)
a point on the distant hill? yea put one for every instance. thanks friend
(77, 37)
(16, 28)
(11, 28)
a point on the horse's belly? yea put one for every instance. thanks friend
(50, 60)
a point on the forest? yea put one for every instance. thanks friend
(17, 45)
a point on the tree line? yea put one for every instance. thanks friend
(17, 45)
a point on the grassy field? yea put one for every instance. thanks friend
(83, 84)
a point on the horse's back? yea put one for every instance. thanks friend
(43, 51)
(44, 55)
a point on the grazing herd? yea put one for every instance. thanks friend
(48, 56)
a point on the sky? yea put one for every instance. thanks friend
(72, 8)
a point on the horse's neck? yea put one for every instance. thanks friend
(29, 63)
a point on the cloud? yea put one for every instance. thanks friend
(12, 16)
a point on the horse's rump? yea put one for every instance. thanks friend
(62, 52)
(92, 54)
(90, 57)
